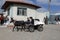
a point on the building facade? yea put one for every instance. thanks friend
(20, 10)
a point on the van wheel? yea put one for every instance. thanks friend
(40, 28)
(31, 29)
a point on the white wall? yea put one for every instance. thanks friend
(31, 12)
(5, 13)
(40, 16)
(15, 16)
(11, 12)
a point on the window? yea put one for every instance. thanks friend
(22, 11)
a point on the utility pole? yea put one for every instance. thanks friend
(49, 1)
(49, 11)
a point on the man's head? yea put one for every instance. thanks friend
(31, 17)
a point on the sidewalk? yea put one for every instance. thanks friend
(3, 26)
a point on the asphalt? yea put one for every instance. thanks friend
(50, 32)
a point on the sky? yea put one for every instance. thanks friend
(54, 5)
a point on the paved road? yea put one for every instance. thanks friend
(51, 32)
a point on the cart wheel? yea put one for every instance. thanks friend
(40, 28)
(31, 29)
